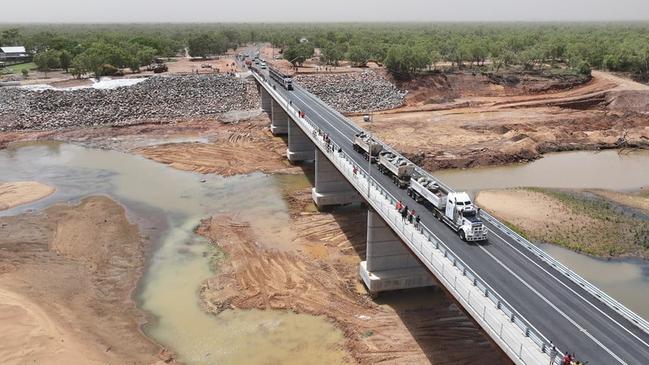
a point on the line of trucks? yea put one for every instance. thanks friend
(453, 208)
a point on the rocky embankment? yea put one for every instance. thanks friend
(354, 92)
(155, 99)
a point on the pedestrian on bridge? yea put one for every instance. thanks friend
(417, 223)
(399, 206)
(404, 212)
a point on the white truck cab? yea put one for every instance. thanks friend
(464, 217)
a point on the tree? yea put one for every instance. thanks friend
(332, 54)
(25, 72)
(48, 60)
(65, 60)
(297, 53)
(358, 56)
(205, 44)
(98, 55)
(583, 68)
(11, 37)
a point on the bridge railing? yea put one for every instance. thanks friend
(458, 275)
(523, 242)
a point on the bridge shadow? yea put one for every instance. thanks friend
(438, 325)
(441, 328)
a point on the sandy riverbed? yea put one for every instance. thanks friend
(66, 276)
(22, 192)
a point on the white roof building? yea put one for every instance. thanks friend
(13, 50)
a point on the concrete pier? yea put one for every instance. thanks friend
(389, 265)
(266, 100)
(279, 119)
(300, 147)
(331, 187)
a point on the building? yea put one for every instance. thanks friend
(9, 55)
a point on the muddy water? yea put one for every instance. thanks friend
(172, 203)
(583, 169)
(625, 280)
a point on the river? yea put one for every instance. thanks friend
(168, 204)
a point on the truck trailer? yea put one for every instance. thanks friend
(397, 167)
(286, 81)
(453, 208)
(367, 146)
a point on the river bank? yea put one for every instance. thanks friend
(66, 277)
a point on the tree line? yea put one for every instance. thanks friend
(404, 49)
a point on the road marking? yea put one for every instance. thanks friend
(583, 330)
(572, 290)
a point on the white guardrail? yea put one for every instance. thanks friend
(523, 242)
(523, 343)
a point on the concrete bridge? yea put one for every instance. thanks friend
(531, 305)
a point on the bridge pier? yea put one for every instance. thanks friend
(300, 147)
(388, 264)
(266, 100)
(331, 187)
(278, 119)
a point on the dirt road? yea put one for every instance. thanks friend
(66, 277)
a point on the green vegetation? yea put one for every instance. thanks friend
(605, 231)
(17, 69)
(406, 49)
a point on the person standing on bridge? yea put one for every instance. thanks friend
(417, 223)
(404, 212)
(399, 206)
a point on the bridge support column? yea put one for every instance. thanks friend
(300, 147)
(279, 119)
(266, 100)
(331, 187)
(389, 264)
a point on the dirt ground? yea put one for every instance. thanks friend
(22, 192)
(319, 276)
(232, 149)
(66, 277)
(469, 121)
(575, 219)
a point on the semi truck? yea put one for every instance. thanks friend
(397, 167)
(453, 208)
(367, 146)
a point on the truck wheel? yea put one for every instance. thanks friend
(462, 236)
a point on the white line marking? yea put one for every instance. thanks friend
(569, 288)
(583, 330)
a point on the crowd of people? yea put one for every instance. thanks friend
(408, 215)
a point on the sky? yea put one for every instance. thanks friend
(108, 11)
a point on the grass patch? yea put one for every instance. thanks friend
(17, 69)
(216, 257)
(595, 227)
